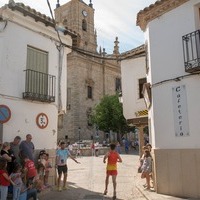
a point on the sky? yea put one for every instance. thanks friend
(113, 18)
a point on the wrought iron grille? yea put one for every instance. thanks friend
(39, 86)
(191, 51)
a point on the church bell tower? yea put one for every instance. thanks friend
(77, 16)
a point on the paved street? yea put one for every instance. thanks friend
(86, 181)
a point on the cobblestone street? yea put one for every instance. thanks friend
(86, 180)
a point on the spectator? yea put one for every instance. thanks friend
(17, 179)
(27, 148)
(30, 169)
(70, 147)
(28, 192)
(92, 148)
(118, 148)
(126, 146)
(7, 154)
(39, 178)
(47, 169)
(96, 146)
(5, 180)
(14, 147)
(147, 168)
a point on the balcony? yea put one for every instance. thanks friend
(39, 86)
(191, 51)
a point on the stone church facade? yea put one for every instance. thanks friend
(89, 78)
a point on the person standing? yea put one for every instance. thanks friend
(27, 148)
(14, 148)
(5, 180)
(112, 158)
(147, 168)
(17, 179)
(62, 155)
(8, 155)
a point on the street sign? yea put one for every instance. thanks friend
(42, 120)
(5, 114)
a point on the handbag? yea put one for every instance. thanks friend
(139, 169)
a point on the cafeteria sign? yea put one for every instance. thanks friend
(5, 113)
(181, 124)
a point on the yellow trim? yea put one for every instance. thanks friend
(141, 113)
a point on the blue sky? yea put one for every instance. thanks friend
(113, 18)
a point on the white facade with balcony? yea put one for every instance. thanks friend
(28, 44)
(174, 79)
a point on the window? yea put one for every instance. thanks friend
(84, 25)
(89, 115)
(118, 84)
(37, 60)
(37, 63)
(141, 82)
(68, 98)
(89, 92)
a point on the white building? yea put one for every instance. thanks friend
(32, 75)
(133, 72)
(172, 36)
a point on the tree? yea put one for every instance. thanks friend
(108, 115)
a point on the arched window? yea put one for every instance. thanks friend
(84, 25)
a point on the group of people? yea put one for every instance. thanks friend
(24, 176)
(21, 174)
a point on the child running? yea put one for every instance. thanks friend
(113, 157)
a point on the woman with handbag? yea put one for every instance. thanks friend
(147, 168)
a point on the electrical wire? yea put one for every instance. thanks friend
(174, 79)
(82, 51)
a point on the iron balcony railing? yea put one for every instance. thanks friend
(191, 51)
(39, 86)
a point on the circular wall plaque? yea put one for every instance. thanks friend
(42, 120)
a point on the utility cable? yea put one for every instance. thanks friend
(82, 51)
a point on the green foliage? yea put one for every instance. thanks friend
(108, 115)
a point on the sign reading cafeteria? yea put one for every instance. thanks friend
(42, 120)
(181, 123)
(5, 114)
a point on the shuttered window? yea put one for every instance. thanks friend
(141, 83)
(37, 64)
(37, 60)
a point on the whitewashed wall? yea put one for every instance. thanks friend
(164, 35)
(19, 33)
(132, 70)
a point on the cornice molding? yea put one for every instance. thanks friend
(133, 52)
(155, 10)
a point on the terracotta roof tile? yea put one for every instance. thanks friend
(155, 10)
(28, 11)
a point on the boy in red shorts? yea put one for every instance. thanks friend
(113, 157)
